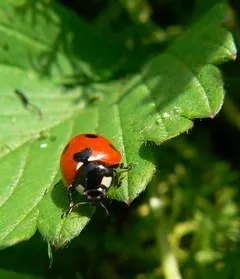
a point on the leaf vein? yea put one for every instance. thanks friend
(158, 115)
(118, 116)
(21, 173)
(20, 35)
(190, 69)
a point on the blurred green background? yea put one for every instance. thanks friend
(192, 202)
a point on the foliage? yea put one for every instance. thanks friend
(140, 85)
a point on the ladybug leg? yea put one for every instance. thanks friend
(118, 177)
(124, 168)
(82, 203)
(104, 207)
(71, 202)
(73, 206)
(127, 167)
(118, 181)
(83, 156)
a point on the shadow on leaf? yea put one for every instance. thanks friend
(59, 197)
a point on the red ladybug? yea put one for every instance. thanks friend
(89, 165)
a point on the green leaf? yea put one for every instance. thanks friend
(7, 274)
(160, 103)
(53, 42)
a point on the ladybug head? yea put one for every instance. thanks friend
(95, 195)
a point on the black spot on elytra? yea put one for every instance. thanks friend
(65, 149)
(113, 147)
(91, 136)
(83, 155)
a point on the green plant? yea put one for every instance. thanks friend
(85, 82)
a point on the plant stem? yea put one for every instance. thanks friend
(232, 113)
(168, 259)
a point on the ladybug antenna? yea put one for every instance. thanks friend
(102, 205)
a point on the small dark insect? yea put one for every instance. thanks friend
(26, 103)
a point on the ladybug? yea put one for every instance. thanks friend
(89, 165)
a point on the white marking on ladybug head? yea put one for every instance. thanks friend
(79, 164)
(106, 181)
(80, 189)
(95, 194)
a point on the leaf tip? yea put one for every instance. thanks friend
(128, 202)
(58, 245)
(233, 57)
